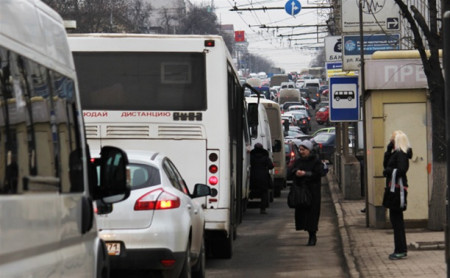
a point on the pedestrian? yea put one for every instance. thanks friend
(397, 157)
(260, 179)
(307, 171)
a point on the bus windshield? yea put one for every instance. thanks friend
(161, 81)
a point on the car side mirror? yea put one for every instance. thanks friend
(201, 190)
(113, 183)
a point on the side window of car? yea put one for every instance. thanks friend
(171, 175)
(180, 179)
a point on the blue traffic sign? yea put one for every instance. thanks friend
(344, 99)
(293, 7)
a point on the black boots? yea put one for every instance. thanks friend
(312, 239)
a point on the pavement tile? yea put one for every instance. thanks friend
(366, 250)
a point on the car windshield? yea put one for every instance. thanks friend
(288, 104)
(323, 109)
(299, 116)
(287, 148)
(143, 176)
(293, 133)
(303, 113)
(323, 137)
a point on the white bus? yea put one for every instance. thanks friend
(47, 225)
(177, 94)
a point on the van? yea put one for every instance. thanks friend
(260, 131)
(276, 133)
(277, 79)
(288, 85)
(47, 185)
(289, 95)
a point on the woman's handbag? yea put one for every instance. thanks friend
(299, 197)
(395, 194)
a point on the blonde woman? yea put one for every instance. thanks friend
(396, 162)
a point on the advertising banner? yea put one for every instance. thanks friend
(372, 42)
(333, 49)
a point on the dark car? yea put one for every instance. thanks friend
(292, 153)
(295, 132)
(322, 88)
(265, 91)
(302, 120)
(326, 142)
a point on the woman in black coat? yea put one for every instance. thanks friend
(260, 180)
(307, 171)
(397, 157)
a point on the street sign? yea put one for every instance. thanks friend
(351, 46)
(335, 69)
(293, 7)
(344, 99)
(378, 16)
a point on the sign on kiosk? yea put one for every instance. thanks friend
(344, 99)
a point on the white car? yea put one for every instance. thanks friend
(160, 226)
(297, 107)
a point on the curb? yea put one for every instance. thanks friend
(349, 258)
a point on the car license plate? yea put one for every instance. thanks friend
(113, 248)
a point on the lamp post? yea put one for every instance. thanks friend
(447, 130)
(362, 104)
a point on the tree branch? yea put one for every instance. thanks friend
(417, 37)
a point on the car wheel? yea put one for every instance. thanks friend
(198, 270)
(186, 271)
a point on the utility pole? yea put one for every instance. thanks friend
(447, 130)
(363, 104)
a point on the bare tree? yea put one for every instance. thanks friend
(168, 21)
(258, 63)
(139, 15)
(435, 79)
(98, 16)
(199, 21)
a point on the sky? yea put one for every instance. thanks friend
(291, 55)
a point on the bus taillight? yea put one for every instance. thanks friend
(213, 180)
(213, 157)
(210, 43)
(213, 169)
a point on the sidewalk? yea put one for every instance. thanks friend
(366, 250)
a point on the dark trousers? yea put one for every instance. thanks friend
(398, 224)
(264, 199)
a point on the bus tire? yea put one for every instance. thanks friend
(224, 247)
